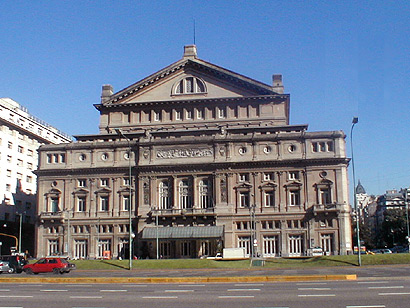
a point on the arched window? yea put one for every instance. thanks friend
(185, 200)
(164, 196)
(189, 85)
(205, 191)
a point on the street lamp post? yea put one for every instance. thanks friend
(406, 194)
(355, 121)
(157, 238)
(119, 132)
(20, 229)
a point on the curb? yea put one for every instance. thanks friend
(193, 280)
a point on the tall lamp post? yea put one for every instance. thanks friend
(119, 132)
(20, 229)
(355, 121)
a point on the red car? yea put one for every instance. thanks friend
(48, 265)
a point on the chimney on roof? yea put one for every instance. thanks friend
(107, 91)
(190, 52)
(277, 83)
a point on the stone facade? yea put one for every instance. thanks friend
(213, 163)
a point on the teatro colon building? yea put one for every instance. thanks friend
(190, 160)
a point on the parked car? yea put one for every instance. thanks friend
(382, 250)
(49, 265)
(16, 262)
(5, 267)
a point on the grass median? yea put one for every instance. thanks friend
(351, 260)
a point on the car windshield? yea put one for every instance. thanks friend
(64, 261)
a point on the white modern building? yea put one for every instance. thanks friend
(21, 134)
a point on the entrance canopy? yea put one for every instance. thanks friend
(150, 233)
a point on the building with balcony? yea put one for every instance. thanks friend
(206, 158)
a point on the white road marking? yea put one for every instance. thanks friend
(317, 289)
(178, 291)
(16, 296)
(191, 285)
(316, 295)
(371, 282)
(249, 285)
(236, 290)
(86, 297)
(113, 290)
(392, 287)
(238, 296)
(135, 285)
(50, 290)
(394, 293)
(377, 306)
(10, 307)
(159, 297)
(4, 290)
(310, 283)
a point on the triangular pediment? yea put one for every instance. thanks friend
(163, 85)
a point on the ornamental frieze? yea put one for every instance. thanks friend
(184, 153)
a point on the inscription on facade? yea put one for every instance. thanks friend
(184, 153)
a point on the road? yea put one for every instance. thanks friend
(375, 293)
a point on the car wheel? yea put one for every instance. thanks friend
(56, 271)
(11, 270)
(29, 271)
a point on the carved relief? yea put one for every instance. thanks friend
(184, 153)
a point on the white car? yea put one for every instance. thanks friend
(5, 268)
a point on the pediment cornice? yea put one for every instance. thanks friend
(210, 69)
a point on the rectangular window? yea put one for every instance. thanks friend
(29, 152)
(188, 114)
(19, 162)
(324, 196)
(8, 172)
(29, 179)
(221, 112)
(178, 115)
(126, 181)
(268, 176)
(49, 158)
(243, 177)
(126, 203)
(62, 158)
(245, 242)
(104, 206)
(82, 204)
(244, 199)
(104, 182)
(293, 175)
(20, 149)
(294, 197)
(269, 198)
(157, 116)
(8, 187)
(199, 114)
(30, 166)
(9, 159)
(81, 183)
(55, 204)
(10, 145)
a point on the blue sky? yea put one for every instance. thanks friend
(338, 59)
